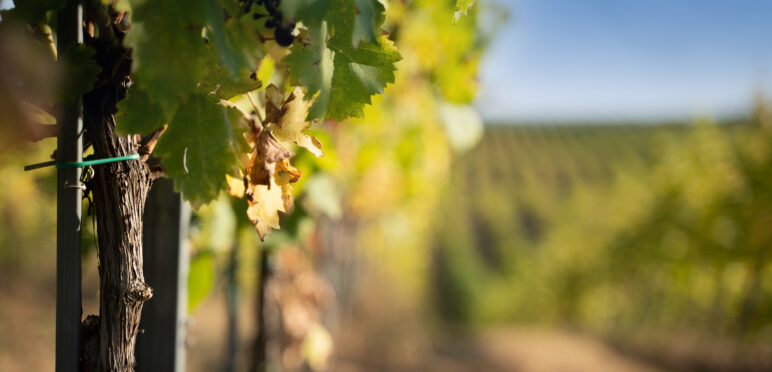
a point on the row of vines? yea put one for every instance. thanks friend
(660, 230)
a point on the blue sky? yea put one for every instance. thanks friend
(571, 60)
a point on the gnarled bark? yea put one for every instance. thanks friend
(119, 191)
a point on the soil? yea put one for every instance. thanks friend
(27, 340)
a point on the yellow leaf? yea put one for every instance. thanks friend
(264, 206)
(285, 175)
(286, 196)
(264, 157)
(273, 104)
(285, 167)
(269, 174)
(236, 186)
(292, 123)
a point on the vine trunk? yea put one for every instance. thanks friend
(119, 190)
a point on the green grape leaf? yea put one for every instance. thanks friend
(313, 66)
(344, 77)
(218, 79)
(33, 11)
(228, 39)
(137, 113)
(359, 74)
(80, 71)
(231, 7)
(199, 147)
(462, 6)
(306, 11)
(168, 50)
(369, 15)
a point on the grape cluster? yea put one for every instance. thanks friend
(282, 29)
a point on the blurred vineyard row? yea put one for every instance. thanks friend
(613, 229)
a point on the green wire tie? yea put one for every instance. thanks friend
(89, 160)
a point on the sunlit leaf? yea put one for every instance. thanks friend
(292, 124)
(462, 6)
(340, 77)
(265, 203)
(369, 16)
(199, 147)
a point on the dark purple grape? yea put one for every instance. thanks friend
(272, 6)
(283, 35)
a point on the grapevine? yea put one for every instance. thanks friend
(180, 83)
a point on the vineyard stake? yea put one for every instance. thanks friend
(161, 348)
(68, 206)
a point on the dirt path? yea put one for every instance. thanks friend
(27, 321)
(534, 350)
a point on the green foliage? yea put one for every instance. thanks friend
(187, 56)
(358, 74)
(369, 17)
(462, 6)
(189, 50)
(168, 50)
(609, 228)
(344, 76)
(307, 11)
(313, 67)
(138, 101)
(199, 147)
(232, 50)
(222, 82)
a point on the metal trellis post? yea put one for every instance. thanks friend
(68, 207)
(161, 348)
